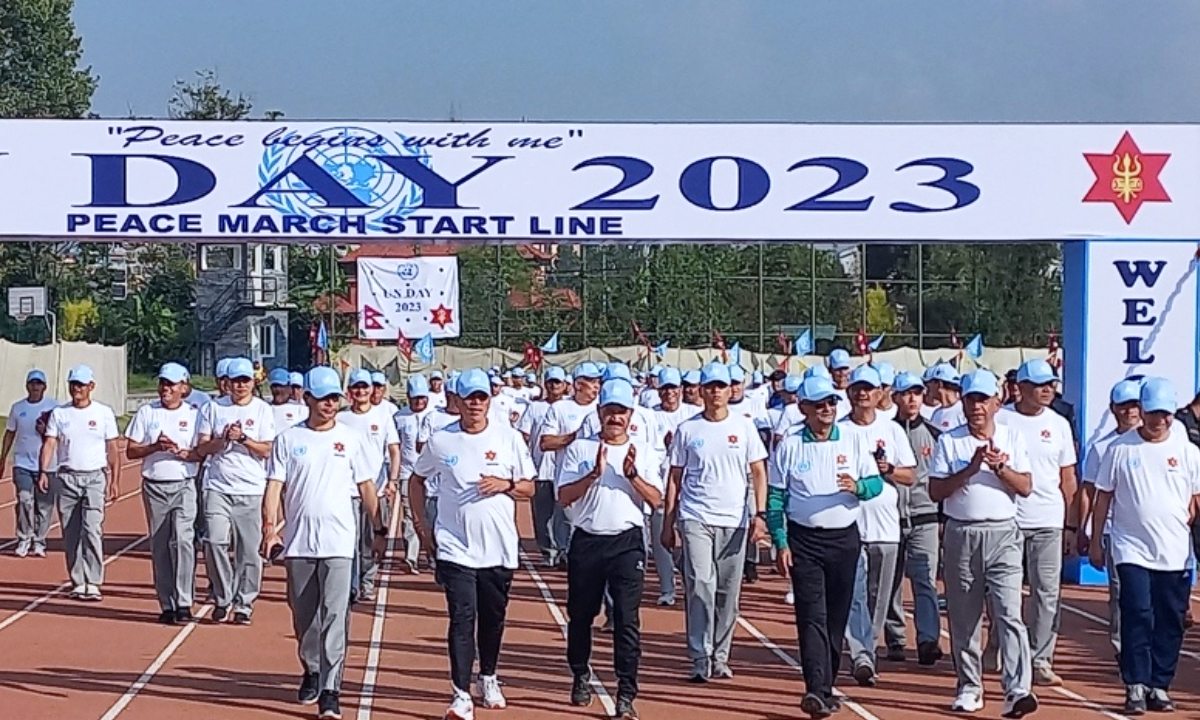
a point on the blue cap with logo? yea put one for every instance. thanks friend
(1125, 391)
(616, 392)
(36, 376)
(865, 375)
(173, 373)
(239, 368)
(279, 376)
(887, 373)
(588, 370)
(296, 379)
(839, 359)
(378, 378)
(737, 375)
(669, 377)
(817, 371)
(418, 386)
(791, 384)
(81, 374)
(556, 373)
(1157, 395)
(322, 382)
(495, 380)
(944, 372)
(223, 368)
(617, 371)
(472, 382)
(907, 381)
(451, 385)
(691, 377)
(358, 376)
(714, 373)
(816, 389)
(980, 382)
(530, 378)
(1037, 372)
(436, 375)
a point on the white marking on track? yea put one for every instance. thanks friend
(371, 672)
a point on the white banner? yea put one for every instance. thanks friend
(413, 296)
(509, 182)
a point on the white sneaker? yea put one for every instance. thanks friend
(461, 707)
(92, 592)
(790, 598)
(1018, 705)
(23, 548)
(489, 690)
(666, 599)
(968, 701)
(39, 550)
(77, 592)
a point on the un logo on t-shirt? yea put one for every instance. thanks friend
(696, 444)
(300, 451)
(451, 460)
(803, 466)
(1135, 463)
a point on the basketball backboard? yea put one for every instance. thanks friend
(26, 302)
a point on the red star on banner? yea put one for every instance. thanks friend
(1127, 177)
(490, 455)
(442, 316)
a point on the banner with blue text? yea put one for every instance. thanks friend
(576, 182)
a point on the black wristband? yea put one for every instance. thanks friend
(381, 531)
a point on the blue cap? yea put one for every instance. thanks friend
(495, 380)
(36, 376)
(1125, 391)
(887, 373)
(530, 378)
(81, 374)
(616, 392)
(279, 376)
(588, 370)
(737, 374)
(669, 377)
(418, 386)
(296, 379)
(507, 373)
(1037, 372)
(556, 373)
(1157, 395)
(928, 374)
(945, 372)
(980, 382)
(173, 373)
(239, 368)
(907, 381)
(378, 378)
(656, 370)
(451, 385)
(691, 377)
(714, 372)
(223, 368)
(322, 381)
(757, 377)
(617, 371)
(816, 389)
(839, 359)
(436, 375)
(817, 371)
(865, 375)
(359, 376)
(473, 381)
(792, 384)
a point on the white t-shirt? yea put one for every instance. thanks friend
(437, 420)
(502, 409)
(809, 471)
(648, 397)
(198, 398)
(927, 411)
(879, 521)
(1152, 486)
(437, 399)
(1091, 471)
(753, 412)
(83, 435)
(181, 425)
(377, 431)
(949, 417)
(789, 417)
(472, 529)
(27, 443)
(611, 505)
(233, 470)
(715, 458)
(530, 424)
(888, 413)
(564, 417)
(320, 472)
(644, 428)
(1050, 446)
(288, 414)
(408, 427)
(985, 496)
(387, 407)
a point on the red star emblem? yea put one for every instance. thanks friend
(926, 451)
(632, 427)
(338, 447)
(250, 422)
(841, 459)
(91, 423)
(442, 316)
(1045, 433)
(183, 423)
(733, 439)
(374, 428)
(1127, 177)
(490, 455)
(1172, 462)
(880, 443)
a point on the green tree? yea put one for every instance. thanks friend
(40, 76)
(205, 99)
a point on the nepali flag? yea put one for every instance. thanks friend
(404, 345)
(860, 342)
(533, 355)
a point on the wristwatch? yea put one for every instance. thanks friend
(761, 514)
(381, 531)
(512, 485)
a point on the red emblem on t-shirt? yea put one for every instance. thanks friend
(733, 439)
(632, 427)
(1172, 462)
(880, 443)
(1046, 434)
(338, 447)
(490, 455)
(249, 422)
(182, 424)
(91, 423)
(374, 428)
(927, 451)
(841, 459)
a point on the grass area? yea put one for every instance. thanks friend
(142, 383)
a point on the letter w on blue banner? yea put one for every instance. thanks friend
(803, 344)
(424, 348)
(975, 347)
(551, 345)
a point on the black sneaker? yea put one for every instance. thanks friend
(897, 654)
(241, 617)
(929, 652)
(1135, 700)
(864, 675)
(309, 689)
(166, 617)
(832, 702)
(581, 693)
(329, 707)
(183, 617)
(625, 709)
(220, 614)
(815, 706)
(751, 573)
(1158, 700)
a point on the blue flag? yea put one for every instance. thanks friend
(551, 345)
(424, 348)
(804, 344)
(735, 354)
(661, 350)
(322, 337)
(975, 347)
(876, 343)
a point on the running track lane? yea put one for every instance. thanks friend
(251, 672)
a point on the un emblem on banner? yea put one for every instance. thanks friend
(408, 271)
(385, 191)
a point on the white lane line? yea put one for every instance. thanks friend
(610, 708)
(107, 504)
(11, 503)
(8, 621)
(367, 695)
(769, 644)
(119, 706)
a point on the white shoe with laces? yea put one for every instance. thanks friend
(968, 701)
(461, 707)
(23, 548)
(489, 690)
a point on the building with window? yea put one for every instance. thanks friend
(241, 303)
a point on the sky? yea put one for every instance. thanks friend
(678, 60)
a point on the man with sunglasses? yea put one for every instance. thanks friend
(26, 423)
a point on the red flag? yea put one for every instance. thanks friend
(1052, 355)
(954, 342)
(785, 347)
(860, 342)
(404, 346)
(533, 355)
(719, 343)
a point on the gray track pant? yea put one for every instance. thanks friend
(713, 562)
(664, 559)
(983, 566)
(34, 507)
(872, 597)
(234, 534)
(1042, 552)
(319, 597)
(81, 512)
(919, 559)
(171, 518)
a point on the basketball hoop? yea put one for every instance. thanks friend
(21, 317)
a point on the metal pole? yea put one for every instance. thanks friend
(332, 305)
(920, 296)
(499, 297)
(583, 287)
(812, 288)
(862, 279)
(762, 299)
